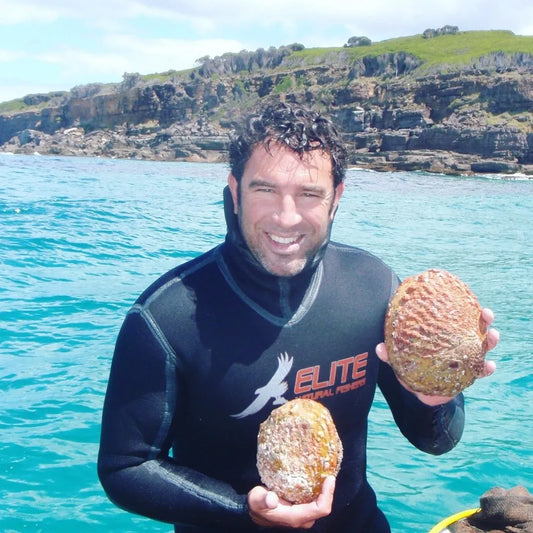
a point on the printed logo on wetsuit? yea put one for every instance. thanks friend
(312, 382)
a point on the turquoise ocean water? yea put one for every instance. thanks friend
(80, 238)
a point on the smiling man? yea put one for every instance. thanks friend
(285, 204)
(275, 312)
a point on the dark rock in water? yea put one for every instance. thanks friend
(494, 167)
(502, 511)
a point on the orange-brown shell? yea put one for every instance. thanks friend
(297, 448)
(434, 334)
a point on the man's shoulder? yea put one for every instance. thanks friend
(354, 254)
(357, 269)
(176, 277)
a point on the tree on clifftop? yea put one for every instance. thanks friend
(358, 41)
(445, 30)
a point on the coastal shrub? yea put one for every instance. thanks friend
(283, 85)
(445, 30)
(358, 41)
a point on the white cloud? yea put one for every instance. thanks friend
(378, 19)
(74, 62)
(132, 54)
(19, 89)
(166, 48)
(21, 12)
(526, 28)
(129, 35)
(7, 56)
(377, 14)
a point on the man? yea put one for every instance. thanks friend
(275, 312)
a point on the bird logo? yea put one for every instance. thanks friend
(274, 389)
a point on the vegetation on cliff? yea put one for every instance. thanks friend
(460, 92)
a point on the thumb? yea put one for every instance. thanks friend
(381, 352)
(325, 498)
(259, 499)
(271, 500)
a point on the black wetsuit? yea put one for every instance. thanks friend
(213, 346)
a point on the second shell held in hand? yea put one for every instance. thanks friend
(434, 334)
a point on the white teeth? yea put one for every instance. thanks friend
(282, 240)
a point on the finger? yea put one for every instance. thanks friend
(433, 401)
(493, 338)
(490, 367)
(381, 352)
(487, 315)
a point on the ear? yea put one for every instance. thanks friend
(339, 189)
(234, 188)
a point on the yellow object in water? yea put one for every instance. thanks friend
(453, 519)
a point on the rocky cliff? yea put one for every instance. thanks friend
(393, 113)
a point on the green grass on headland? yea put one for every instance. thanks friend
(439, 55)
(457, 49)
(13, 106)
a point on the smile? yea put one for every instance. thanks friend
(283, 240)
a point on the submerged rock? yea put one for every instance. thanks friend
(501, 511)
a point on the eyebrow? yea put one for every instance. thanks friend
(258, 182)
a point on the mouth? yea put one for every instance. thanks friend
(285, 241)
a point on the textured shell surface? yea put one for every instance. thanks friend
(434, 333)
(297, 448)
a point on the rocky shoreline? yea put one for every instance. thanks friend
(211, 147)
(472, 120)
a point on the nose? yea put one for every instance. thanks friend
(287, 213)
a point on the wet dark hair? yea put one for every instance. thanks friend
(301, 129)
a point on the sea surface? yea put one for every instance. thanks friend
(80, 238)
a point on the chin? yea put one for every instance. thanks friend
(285, 271)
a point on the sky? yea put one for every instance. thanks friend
(54, 45)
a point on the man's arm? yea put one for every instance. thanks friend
(134, 464)
(433, 424)
(432, 429)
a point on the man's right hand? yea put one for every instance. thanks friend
(268, 510)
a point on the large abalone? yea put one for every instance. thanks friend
(434, 334)
(297, 448)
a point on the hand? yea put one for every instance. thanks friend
(267, 509)
(493, 337)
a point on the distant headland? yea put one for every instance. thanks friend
(441, 101)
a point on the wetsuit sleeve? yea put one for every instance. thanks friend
(434, 430)
(134, 465)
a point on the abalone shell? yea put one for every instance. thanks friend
(297, 448)
(434, 334)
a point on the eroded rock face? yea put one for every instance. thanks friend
(434, 334)
(297, 448)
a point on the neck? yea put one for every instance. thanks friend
(280, 296)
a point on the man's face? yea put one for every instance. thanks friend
(286, 206)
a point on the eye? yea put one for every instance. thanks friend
(312, 194)
(261, 186)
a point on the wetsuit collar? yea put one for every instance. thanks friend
(281, 296)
